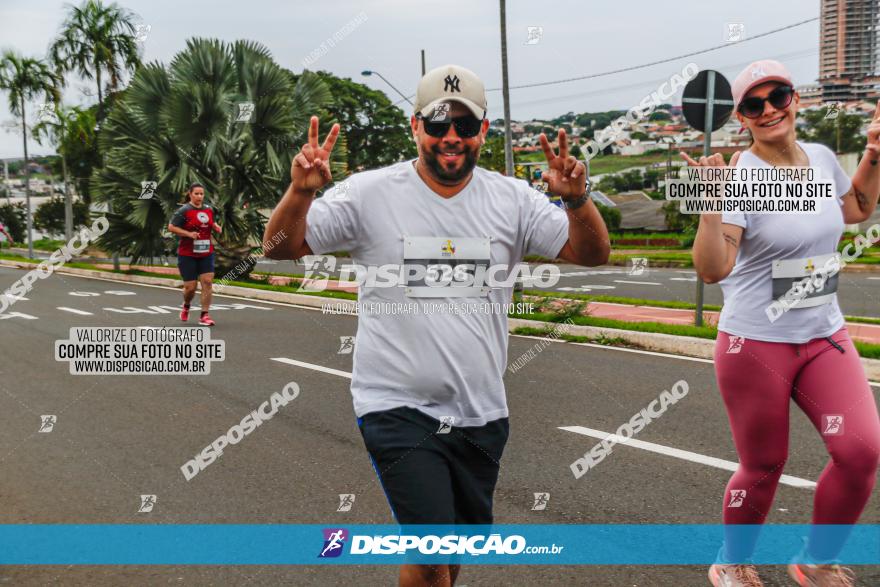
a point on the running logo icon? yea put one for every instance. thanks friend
(441, 112)
(735, 32)
(245, 112)
(346, 345)
(535, 34)
(541, 501)
(639, 264)
(737, 497)
(334, 541)
(446, 423)
(47, 423)
(47, 114)
(833, 111)
(148, 188)
(346, 500)
(735, 344)
(147, 504)
(339, 192)
(832, 424)
(141, 32)
(448, 249)
(318, 269)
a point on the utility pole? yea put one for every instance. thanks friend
(423, 63)
(505, 93)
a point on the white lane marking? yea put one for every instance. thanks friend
(178, 289)
(624, 349)
(639, 351)
(75, 311)
(680, 454)
(13, 297)
(636, 282)
(8, 315)
(682, 279)
(874, 278)
(586, 287)
(599, 346)
(313, 367)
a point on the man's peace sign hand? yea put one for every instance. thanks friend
(310, 168)
(566, 176)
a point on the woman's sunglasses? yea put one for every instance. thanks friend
(465, 126)
(780, 98)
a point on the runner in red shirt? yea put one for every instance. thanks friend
(193, 223)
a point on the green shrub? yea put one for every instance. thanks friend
(611, 216)
(14, 217)
(49, 216)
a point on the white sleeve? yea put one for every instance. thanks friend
(546, 225)
(737, 218)
(842, 181)
(332, 223)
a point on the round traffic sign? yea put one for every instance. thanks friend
(708, 86)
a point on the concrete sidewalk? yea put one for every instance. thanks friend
(628, 313)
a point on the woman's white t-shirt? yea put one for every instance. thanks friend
(748, 290)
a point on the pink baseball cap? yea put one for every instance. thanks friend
(757, 73)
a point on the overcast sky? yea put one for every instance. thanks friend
(580, 37)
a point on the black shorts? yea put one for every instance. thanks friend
(432, 478)
(192, 267)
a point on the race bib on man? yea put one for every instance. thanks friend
(201, 245)
(440, 267)
(812, 280)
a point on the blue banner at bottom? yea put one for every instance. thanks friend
(518, 544)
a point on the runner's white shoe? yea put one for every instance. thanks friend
(734, 576)
(822, 575)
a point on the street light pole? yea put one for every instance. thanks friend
(505, 93)
(368, 73)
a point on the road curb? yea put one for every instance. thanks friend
(653, 341)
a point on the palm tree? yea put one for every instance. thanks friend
(96, 39)
(179, 124)
(59, 130)
(25, 79)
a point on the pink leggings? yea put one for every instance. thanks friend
(756, 380)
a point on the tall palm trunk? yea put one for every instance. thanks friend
(99, 118)
(68, 203)
(27, 182)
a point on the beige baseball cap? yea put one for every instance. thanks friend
(450, 83)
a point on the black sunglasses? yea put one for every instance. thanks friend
(780, 98)
(465, 126)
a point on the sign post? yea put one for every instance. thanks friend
(707, 104)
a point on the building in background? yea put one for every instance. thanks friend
(849, 50)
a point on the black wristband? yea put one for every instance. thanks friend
(576, 203)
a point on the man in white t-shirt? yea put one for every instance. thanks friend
(427, 382)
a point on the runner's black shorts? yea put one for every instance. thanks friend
(432, 478)
(192, 267)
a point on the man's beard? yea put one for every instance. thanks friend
(430, 157)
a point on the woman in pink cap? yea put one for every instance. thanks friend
(765, 357)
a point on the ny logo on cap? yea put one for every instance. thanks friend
(450, 84)
(758, 72)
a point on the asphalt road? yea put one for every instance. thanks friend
(117, 437)
(858, 293)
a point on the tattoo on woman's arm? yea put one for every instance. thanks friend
(731, 240)
(861, 197)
